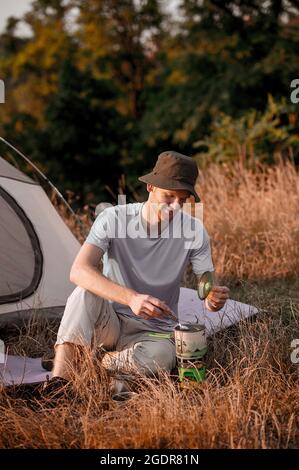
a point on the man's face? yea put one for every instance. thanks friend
(165, 202)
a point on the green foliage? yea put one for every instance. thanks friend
(254, 137)
(102, 86)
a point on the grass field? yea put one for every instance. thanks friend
(250, 397)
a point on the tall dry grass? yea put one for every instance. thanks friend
(250, 397)
(253, 219)
(249, 400)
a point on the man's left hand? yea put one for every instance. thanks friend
(217, 297)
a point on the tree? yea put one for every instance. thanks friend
(224, 57)
(84, 135)
(120, 39)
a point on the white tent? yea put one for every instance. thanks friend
(36, 249)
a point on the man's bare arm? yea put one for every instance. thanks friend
(85, 272)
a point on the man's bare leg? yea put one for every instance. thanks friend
(66, 360)
(88, 318)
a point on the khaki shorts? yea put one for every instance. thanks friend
(90, 320)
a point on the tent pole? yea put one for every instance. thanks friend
(46, 179)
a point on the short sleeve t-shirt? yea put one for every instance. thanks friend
(150, 264)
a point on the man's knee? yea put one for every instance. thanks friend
(81, 296)
(81, 314)
(154, 357)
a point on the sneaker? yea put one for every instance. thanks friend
(48, 360)
(24, 391)
(124, 396)
(111, 361)
(121, 389)
(55, 389)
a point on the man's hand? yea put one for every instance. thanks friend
(217, 297)
(147, 307)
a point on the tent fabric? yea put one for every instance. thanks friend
(8, 171)
(37, 248)
(11, 321)
(20, 256)
(15, 370)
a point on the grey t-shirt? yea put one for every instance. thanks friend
(152, 264)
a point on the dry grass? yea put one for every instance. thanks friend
(253, 220)
(250, 397)
(249, 400)
(80, 222)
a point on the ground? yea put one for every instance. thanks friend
(248, 400)
(250, 396)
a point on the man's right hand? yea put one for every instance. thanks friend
(146, 306)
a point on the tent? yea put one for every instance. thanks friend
(36, 249)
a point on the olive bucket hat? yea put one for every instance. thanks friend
(173, 171)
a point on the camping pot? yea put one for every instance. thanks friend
(190, 341)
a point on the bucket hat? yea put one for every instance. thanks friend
(173, 171)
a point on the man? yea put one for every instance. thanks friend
(136, 296)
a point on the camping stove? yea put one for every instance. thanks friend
(191, 347)
(191, 342)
